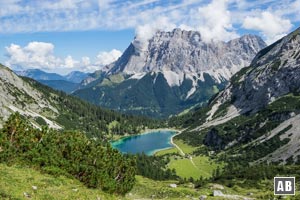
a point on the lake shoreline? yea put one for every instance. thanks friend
(175, 145)
(170, 142)
(144, 132)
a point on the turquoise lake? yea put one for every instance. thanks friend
(148, 143)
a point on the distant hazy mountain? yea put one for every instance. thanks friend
(18, 95)
(173, 72)
(38, 74)
(67, 83)
(61, 85)
(256, 118)
(76, 76)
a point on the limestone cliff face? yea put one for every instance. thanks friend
(181, 53)
(259, 109)
(274, 72)
(16, 95)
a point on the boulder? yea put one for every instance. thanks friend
(27, 195)
(218, 193)
(202, 197)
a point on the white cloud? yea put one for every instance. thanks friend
(145, 32)
(214, 21)
(105, 58)
(40, 55)
(34, 55)
(103, 4)
(58, 5)
(272, 27)
(70, 63)
(218, 19)
(9, 7)
(86, 61)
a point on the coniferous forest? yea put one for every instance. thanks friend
(76, 114)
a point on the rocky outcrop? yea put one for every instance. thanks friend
(17, 95)
(212, 139)
(274, 72)
(179, 52)
(261, 106)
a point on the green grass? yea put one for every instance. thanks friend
(184, 168)
(203, 167)
(106, 82)
(206, 165)
(146, 188)
(167, 151)
(215, 89)
(117, 78)
(15, 180)
(187, 149)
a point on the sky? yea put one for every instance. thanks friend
(66, 35)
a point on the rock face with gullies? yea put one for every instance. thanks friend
(259, 111)
(274, 72)
(17, 95)
(181, 52)
(177, 69)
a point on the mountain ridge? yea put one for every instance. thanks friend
(184, 51)
(258, 111)
(67, 83)
(177, 69)
(38, 74)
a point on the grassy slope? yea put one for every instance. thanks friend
(16, 180)
(184, 168)
(185, 148)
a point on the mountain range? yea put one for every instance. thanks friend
(172, 72)
(67, 83)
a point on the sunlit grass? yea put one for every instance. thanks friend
(17, 180)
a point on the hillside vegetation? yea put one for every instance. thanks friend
(75, 114)
(66, 153)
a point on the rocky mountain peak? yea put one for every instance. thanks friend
(274, 72)
(285, 48)
(174, 71)
(178, 53)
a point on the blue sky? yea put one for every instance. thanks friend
(66, 35)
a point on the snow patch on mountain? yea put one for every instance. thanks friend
(173, 78)
(137, 76)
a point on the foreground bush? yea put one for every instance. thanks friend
(66, 153)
